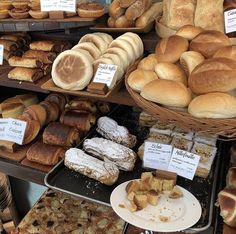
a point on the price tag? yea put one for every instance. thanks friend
(1, 54)
(58, 5)
(183, 163)
(15, 131)
(156, 155)
(230, 21)
(105, 74)
(3, 126)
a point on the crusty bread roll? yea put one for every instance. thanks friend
(123, 22)
(148, 63)
(189, 31)
(115, 10)
(167, 92)
(226, 52)
(121, 53)
(170, 71)
(111, 22)
(126, 3)
(150, 15)
(139, 78)
(213, 105)
(213, 75)
(90, 47)
(208, 42)
(189, 60)
(227, 203)
(72, 70)
(170, 49)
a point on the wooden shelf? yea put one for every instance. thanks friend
(17, 170)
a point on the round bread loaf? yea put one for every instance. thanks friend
(213, 75)
(111, 22)
(189, 31)
(213, 105)
(208, 42)
(170, 71)
(167, 92)
(72, 70)
(189, 60)
(170, 49)
(90, 47)
(148, 63)
(139, 78)
(226, 52)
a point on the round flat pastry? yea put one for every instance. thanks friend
(106, 37)
(98, 41)
(115, 58)
(72, 70)
(86, 53)
(90, 47)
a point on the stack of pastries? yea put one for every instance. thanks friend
(93, 49)
(102, 163)
(35, 62)
(133, 13)
(192, 71)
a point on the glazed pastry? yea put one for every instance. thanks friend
(45, 154)
(105, 172)
(123, 157)
(60, 134)
(109, 129)
(82, 105)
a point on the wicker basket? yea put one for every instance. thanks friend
(222, 127)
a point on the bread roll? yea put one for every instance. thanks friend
(139, 78)
(148, 63)
(209, 15)
(189, 31)
(208, 42)
(227, 203)
(48, 46)
(25, 74)
(213, 105)
(115, 10)
(12, 110)
(111, 22)
(170, 71)
(126, 3)
(189, 60)
(226, 52)
(45, 57)
(167, 92)
(177, 13)
(123, 22)
(24, 62)
(150, 15)
(66, 76)
(213, 75)
(170, 49)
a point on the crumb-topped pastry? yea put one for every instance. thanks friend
(183, 133)
(181, 143)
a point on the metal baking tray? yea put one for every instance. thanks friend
(62, 179)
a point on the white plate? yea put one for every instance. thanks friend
(182, 213)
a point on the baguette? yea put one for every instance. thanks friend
(104, 172)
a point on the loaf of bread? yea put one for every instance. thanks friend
(170, 49)
(60, 134)
(189, 31)
(126, 3)
(48, 155)
(104, 172)
(123, 22)
(226, 52)
(148, 63)
(213, 105)
(208, 42)
(123, 157)
(213, 75)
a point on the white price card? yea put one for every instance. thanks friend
(1, 54)
(3, 126)
(183, 163)
(15, 131)
(105, 74)
(58, 5)
(230, 21)
(156, 155)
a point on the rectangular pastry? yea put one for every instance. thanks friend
(16, 61)
(181, 143)
(209, 139)
(182, 133)
(123, 157)
(45, 57)
(104, 172)
(25, 74)
(48, 46)
(162, 128)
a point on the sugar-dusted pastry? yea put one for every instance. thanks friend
(181, 143)
(45, 154)
(123, 157)
(60, 134)
(105, 172)
(110, 129)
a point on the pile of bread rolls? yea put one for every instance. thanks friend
(133, 13)
(74, 69)
(201, 13)
(192, 71)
